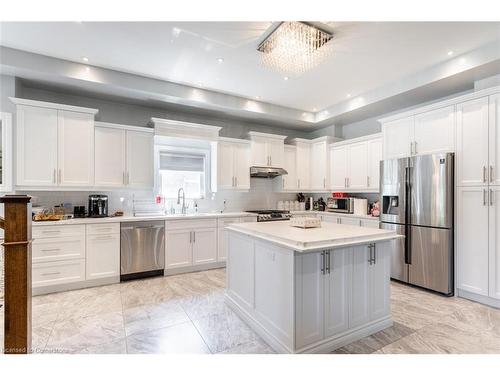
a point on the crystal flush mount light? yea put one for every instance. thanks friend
(295, 47)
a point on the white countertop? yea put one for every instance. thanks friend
(119, 219)
(329, 236)
(328, 213)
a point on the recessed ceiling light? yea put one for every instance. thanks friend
(86, 59)
(348, 95)
(220, 60)
(304, 114)
(257, 97)
(87, 68)
(285, 78)
(176, 31)
(315, 109)
(450, 53)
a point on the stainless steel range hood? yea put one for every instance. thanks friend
(266, 172)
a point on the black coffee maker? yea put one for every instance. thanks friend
(98, 205)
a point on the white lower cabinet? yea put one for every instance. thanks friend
(55, 273)
(222, 237)
(204, 246)
(338, 290)
(103, 251)
(342, 219)
(190, 243)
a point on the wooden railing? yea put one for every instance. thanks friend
(17, 264)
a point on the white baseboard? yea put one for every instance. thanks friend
(485, 300)
(73, 286)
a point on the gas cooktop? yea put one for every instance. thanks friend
(271, 215)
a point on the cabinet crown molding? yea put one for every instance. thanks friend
(440, 104)
(182, 129)
(357, 139)
(63, 107)
(253, 134)
(234, 140)
(111, 125)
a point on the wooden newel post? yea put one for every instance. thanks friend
(17, 247)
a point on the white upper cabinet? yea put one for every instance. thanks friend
(303, 164)
(374, 158)
(123, 157)
(267, 150)
(110, 156)
(36, 146)
(494, 146)
(320, 166)
(424, 133)
(357, 166)
(289, 181)
(139, 160)
(397, 136)
(76, 148)
(354, 164)
(55, 145)
(472, 142)
(338, 165)
(435, 131)
(233, 172)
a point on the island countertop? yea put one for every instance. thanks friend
(328, 236)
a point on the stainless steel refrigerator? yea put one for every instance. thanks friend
(417, 202)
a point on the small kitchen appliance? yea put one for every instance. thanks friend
(98, 205)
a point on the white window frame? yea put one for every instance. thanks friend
(205, 152)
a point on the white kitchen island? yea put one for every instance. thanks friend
(309, 290)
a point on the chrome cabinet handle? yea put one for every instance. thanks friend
(235, 181)
(411, 148)
(328, 261)
(484, 197)
(491, 197)
(128, 178)
(51, 249)
(123, 178)
(54, 176)
(491, 173)
(50, 273)
(324, 182)
(270, 160)
(194, 236)
(323, 262)
(484, 173)
(374, 247)
(416, 143)
(190, 237)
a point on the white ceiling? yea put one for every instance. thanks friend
(366, 55)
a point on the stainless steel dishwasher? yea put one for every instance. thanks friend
(142, 249)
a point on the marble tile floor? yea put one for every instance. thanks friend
(186, 314)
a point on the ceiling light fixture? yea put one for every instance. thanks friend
(87, 69)
(257, 97)
(450, 53)
(86, 59)
(348, 95)
(220, 60)
(285, 78)
(295, 47)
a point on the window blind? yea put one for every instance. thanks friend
(182, 162)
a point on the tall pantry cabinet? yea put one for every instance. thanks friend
(478, 199)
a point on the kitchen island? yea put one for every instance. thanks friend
(309, 290)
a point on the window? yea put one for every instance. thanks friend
(182, 169)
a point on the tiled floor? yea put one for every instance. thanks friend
(187, 314)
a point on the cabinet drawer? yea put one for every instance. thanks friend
(62, 272)
(52, 249)
(103, 228)
(222, 223)
(54, 231)
(191, 224)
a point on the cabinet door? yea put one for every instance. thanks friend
(289, 181)
(259, 155)
(309, 299)
(337, 292)
(350, 221)
(472, 142)
(357, 161)
(494, 138)
(225, 170)
(276, 151)
(397, 136)
(330, 218)
(139, 159)
(435, 131)
(76, 148)
(319, 166)
(370, 223)
(110, 146)
(374, 158)
(102, 256)
(494, 243)
(178, 249)
(36, 146)
(472, 229)
(242, 166)
(338, 165)
(303, 166)
(360, 296)
(380, 275)
(204, 246)
(222, 237)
